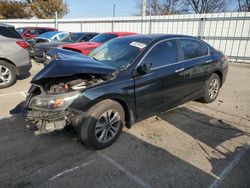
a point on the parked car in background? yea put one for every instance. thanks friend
(121, 82)
(14, 56)
(52, 36)
(86, 47)
(32, 32)
(41, 49)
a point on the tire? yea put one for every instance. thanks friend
(94, 130)
(7, 74)
(211, 89)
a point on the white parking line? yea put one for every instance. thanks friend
(23, 94)
(125, 171)
(71, 169)
(231, 165)
(13, 93)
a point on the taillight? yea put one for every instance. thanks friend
(23, 44)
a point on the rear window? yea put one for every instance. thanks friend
(9, 32)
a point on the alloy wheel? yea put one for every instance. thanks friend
(107, 126)
(213, 88)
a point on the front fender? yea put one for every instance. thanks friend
(122, 91)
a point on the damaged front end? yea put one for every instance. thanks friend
(56, 86)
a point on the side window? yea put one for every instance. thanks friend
(162, 54)
(87, 37)
(192, 48)
(61, 36)
(41, 31)
(32, 31)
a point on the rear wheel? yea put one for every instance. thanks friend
(7, 74)
(103, 124)
(212, 88)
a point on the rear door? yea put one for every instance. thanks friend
(162, 87)
(197, 64)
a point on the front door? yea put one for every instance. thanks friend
(161, 87)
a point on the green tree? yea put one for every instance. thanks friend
(46, 8)
(13, 9)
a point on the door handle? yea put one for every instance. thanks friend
(208, 61)
(179, 70)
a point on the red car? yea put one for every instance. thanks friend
(87, 47)
(32, 32)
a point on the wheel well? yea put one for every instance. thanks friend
(126, 111)
(8, 61)
(219, 73)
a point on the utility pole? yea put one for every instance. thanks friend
(114, 6)
(143, 12)
(143, 8)
(113, 22)
(56, 21)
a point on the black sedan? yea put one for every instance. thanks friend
(123, 81)
(38, 49)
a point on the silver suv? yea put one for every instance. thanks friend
(14, 56)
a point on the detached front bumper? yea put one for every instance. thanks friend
(48, 116)
(48, 119)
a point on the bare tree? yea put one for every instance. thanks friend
(204, 6)
(162, 7)
(243, 5)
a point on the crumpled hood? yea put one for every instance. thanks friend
(82, 45)
(70, 64)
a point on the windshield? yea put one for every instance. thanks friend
(120, 52)
(48, 35)
(73, 37)
(104, 37)
(19, 30)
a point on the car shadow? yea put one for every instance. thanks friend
(27, 160)
(206, 131)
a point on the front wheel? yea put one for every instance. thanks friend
(212, 88)
(102, 125)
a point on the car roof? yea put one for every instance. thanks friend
(120, 33)
(85, 33)
(5, 25)
(154, 37)
(56, 32)
(36, 27)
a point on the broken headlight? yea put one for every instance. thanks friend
(53, 102)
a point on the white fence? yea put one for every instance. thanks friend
(228, 32)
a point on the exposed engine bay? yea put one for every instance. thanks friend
(47, 104)
(57, 85)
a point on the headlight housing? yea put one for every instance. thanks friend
(53, 102)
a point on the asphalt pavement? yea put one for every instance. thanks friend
(193, 145)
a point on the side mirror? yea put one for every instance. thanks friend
(144, 69)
